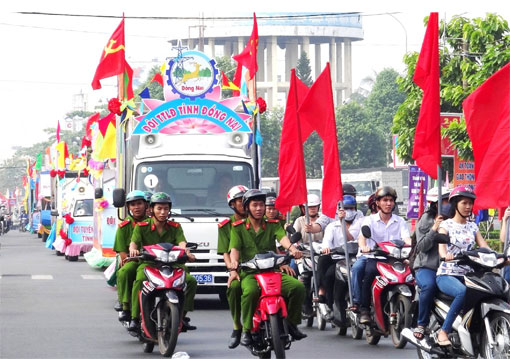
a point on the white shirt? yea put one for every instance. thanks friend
(462, 238)
(334, 234)
(324, 220)
(396, 228)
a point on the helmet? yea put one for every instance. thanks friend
(148, 195)
(461, 191)
(349, 201)
(236, 192)
(371, 203)
(348, 188)
(160, 197)
(135, 195)
(252, 195)
(313, 200)
(385, 191)
(270, 198)
(433, 192)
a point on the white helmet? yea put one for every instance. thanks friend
(236, 192)
(313, 200)
(433, 192)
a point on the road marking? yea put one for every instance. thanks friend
(42, 276)
(92, 276)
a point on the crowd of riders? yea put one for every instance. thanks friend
(256, 226)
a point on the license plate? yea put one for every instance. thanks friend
(203, 278)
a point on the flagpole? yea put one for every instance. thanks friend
(346, 249)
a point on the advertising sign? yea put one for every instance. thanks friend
(417, 179)
(464, 172)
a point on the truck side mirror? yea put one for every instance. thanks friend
(98, 193)
(119, 197)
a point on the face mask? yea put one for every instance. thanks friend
(350, 214)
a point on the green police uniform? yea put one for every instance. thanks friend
(244, 239)
(145, 233)
(234, 291)
(127, 273)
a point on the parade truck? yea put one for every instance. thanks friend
(195, 147)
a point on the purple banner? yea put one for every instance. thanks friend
(416, 177)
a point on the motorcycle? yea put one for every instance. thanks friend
(392, 293)
(270, 329)
(483, 327)
(23, 224)
(162, 296)
(304, 264)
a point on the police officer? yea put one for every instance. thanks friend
(271, 211)
(158, 229)
(137, 205)
(256, 235)
(235, 201)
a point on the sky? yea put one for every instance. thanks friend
(46, 60)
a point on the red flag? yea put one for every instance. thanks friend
(226, 84)
(105, 121)
(248, 57)
(318, 112)
(421, 204)
(88, 131)
(58, 131)
(158, 78)
(291, 163)
(427, 138)
(237, 80)
(487, 112)
(113, 62)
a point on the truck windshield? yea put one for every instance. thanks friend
(363, 188)
(84, 208)
(197, 188)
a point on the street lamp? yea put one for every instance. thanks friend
(403, 27)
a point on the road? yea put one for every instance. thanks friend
(52, 308)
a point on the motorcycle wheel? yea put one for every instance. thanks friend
(372, 338)
(500, 326)
(309, 321)
(321, 322)
(356, 332)
(276, 331)
(148, 347)
(170, 319)
(403, 311)
(342, 331)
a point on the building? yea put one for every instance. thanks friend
(282, 38)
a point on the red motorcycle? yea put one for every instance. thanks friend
(162, 296)
(270, 331)
(392, 293)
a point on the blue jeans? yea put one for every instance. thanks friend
(426, 280)
(358, 272)
(506, 273)
(454, 287)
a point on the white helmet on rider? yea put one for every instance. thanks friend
(313, 200)
(433, 192)
(236, 192)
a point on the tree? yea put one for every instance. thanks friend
(303, 69)
(475, 49)
(155, 89)
(271, 129)
(228, 66)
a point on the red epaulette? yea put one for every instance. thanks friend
(272, 220)
(173, 224)
(236, 223)
(143, 223)
(221, 224)
(123, 223)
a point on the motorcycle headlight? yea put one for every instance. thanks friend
(173, 256)
(409, 277)
(406, 251)
(158, 282)
(280, 260)
(390, 276)
(179, 282)
(485, 259)
(265, 263)
(161, 255)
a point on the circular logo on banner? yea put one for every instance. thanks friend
(150, 181)
(192, 74)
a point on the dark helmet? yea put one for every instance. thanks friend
(371, 203)
(385, 191)
(148, 196)
(348, 188)
(270, 198)
(461, 191)
(349, 201)
(160, 197)
(253, 195)
(135, 195)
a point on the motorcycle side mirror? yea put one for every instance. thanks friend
(290, 229)
(190, 245)
(442, 238)
(98, 193)
(119, 197)
(296, 237)
(366, 231)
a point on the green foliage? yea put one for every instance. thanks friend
(270, 129)
(155, 89)
(304, 70)
(473, 50)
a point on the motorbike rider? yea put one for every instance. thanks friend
(426, 261)
(256, 235)
(137, 205)
(314, 204)
(234, 201)
(158, 229)
(463, 236)
(271, 211)
(384, 225)
(334, 238)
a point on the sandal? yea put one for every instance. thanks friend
(443, 343)
(419, 332)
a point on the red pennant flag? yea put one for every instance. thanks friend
(291, 163)
(427, 138)
(226, 84)
(158, 78)
(105, 121)
(248, 57)
(58, 131)
(88, 131)
(113, 62)
(487, 112)
(317, 110)
(237, 80)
